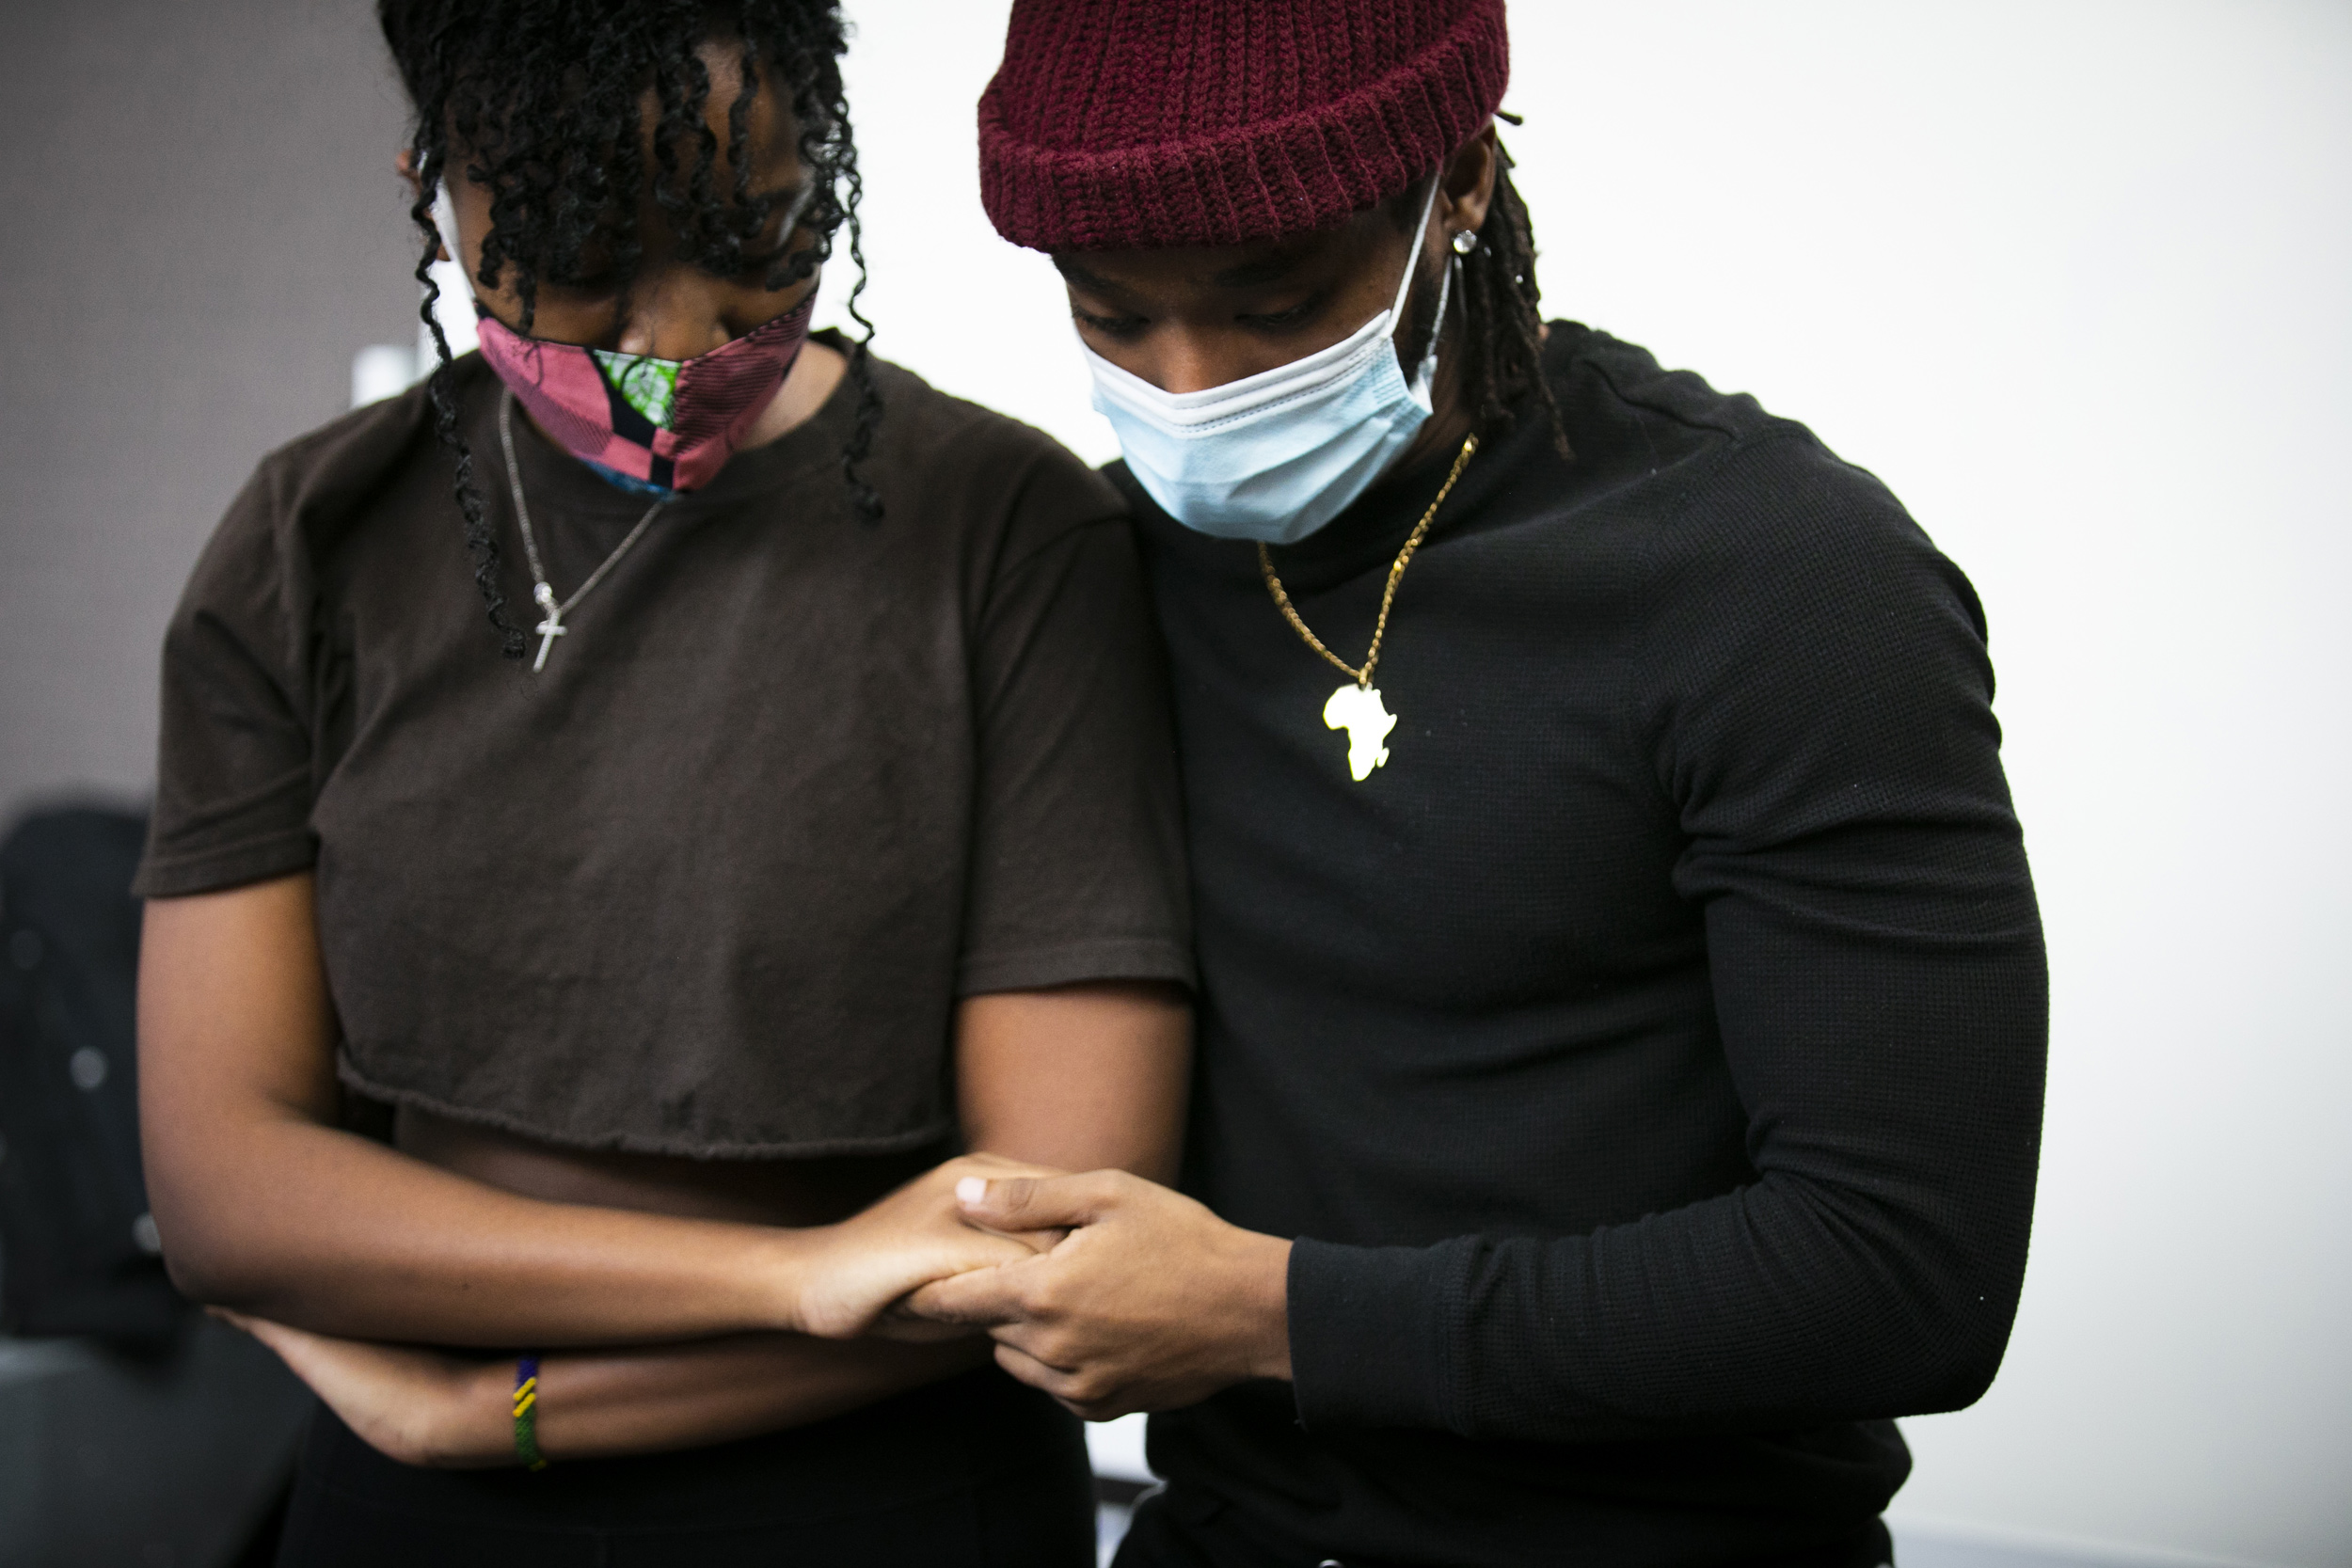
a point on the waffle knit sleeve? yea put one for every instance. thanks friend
(1813, 697)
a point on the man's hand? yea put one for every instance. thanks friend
(855, 1270)
(1149, 1302)
(417, 1406)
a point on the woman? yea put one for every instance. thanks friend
(817, 823)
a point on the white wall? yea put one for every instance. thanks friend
(2076, 280)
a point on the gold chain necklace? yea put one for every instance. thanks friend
(1357, 708)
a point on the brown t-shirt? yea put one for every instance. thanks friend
(710, 882)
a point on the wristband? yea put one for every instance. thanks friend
(527, 1414)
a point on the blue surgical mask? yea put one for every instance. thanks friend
(1276, 455)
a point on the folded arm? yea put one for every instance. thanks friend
(1087, 1075)
(429, 1407)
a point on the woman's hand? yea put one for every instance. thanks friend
(417, 1406)
(856, 1269)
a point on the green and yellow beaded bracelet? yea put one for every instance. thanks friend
(527, 1414)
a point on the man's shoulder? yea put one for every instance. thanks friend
(1713, 465)
(1612, 393)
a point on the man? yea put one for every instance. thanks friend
(1622, 1003)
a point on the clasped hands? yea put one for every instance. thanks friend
(1109, 1293)
(1123, 1296)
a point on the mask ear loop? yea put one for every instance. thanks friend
(1420, 233)
(1425, 374)
(1424, 389)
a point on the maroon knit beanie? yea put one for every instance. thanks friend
(1114, 123)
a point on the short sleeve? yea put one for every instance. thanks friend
(233, 771)
(1078, 859)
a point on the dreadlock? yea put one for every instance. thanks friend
(539, 101)
(1502, 342)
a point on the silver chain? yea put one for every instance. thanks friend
(541, 593)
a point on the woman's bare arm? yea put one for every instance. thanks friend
(266, 1207)
(432, 1408)
(1090, 1077)
(1085, 1077)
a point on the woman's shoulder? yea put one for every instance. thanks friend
(321, 483)
(919, 416)
(306, 497)
(354, 453)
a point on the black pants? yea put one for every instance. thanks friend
(1176, 1529)
(974, 1471)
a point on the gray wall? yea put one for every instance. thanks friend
(201, 223)
(168, 1465)
(198, 225)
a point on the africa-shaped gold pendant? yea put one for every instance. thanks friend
(1357, 709)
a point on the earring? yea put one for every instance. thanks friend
(1465, 241)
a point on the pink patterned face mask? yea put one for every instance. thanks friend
(647, 423)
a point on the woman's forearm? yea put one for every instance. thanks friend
(324, 1231)
(598, 1403)
(1088, 1075)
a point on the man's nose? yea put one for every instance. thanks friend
(1187, 363)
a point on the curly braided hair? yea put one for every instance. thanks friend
(1502, 343)
(539, 101)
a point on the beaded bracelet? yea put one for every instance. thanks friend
(527, 1414)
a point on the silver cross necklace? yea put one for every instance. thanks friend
(541, 593)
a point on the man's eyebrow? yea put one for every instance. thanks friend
(1251, 274)
(1255, 274)
(1081, 277)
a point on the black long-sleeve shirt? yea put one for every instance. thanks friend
(1649, 1057)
